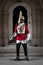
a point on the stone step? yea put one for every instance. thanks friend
(11, 49)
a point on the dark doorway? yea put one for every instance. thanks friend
(16, 15)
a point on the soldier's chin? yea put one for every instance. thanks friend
(21, 22)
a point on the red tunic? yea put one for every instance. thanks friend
(21, 36)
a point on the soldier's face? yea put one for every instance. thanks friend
(21, 20)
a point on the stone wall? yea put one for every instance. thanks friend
(36, 23)
(36, 17)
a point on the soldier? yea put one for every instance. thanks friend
(22, 35)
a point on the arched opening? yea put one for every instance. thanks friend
(16, 12)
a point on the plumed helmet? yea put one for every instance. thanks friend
(22, 17)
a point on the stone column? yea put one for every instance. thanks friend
(6, 38)
(42, 27)
(1, 28)
(38, 27)
(33, 25)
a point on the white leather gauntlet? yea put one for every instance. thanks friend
(11, 37)
(28, 37)
(14, 35)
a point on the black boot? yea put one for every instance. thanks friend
(17, 58)
(26, 58)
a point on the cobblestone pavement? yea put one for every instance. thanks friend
(9, 60)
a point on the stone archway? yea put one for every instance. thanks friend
(11, 17)
(16, 15)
